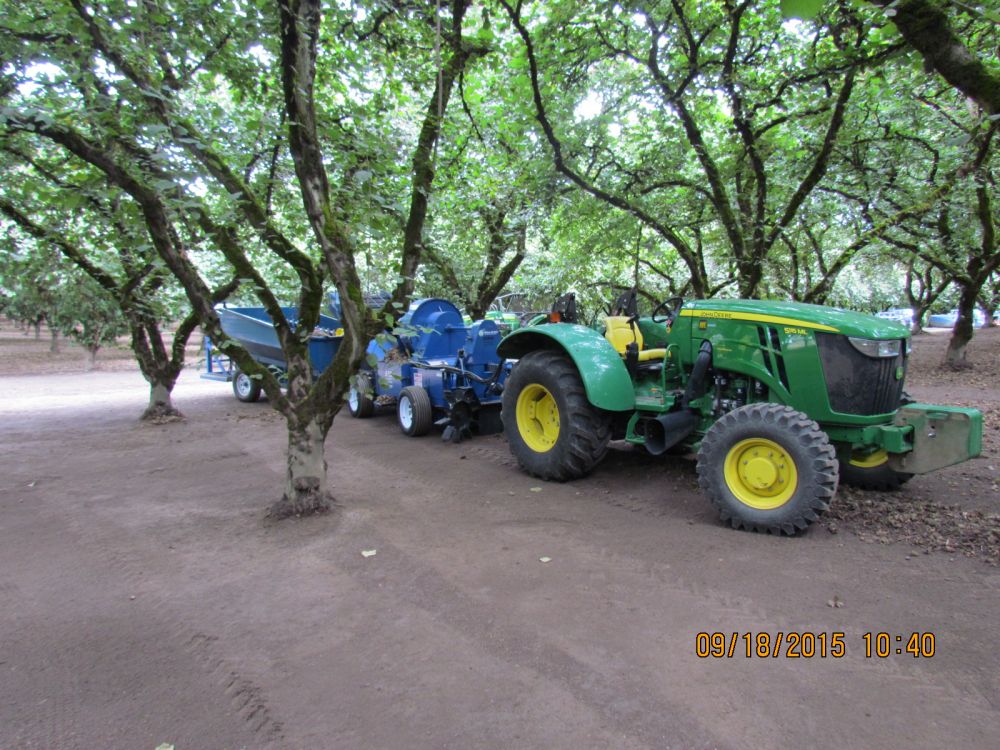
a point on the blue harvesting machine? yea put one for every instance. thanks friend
(435, 370)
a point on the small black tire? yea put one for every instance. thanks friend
(866, 475)
(767, 467)
(245, 388)
(553, 431)
(359, 400)
(414, 411)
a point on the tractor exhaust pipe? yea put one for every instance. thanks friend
(697, 381)
(667, 430)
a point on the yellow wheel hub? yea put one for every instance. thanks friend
(760, 473)
(537, 418)
(869, 461)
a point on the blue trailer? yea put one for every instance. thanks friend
(253, 328)
(436, 370)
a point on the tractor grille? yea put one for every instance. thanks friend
(858, 384)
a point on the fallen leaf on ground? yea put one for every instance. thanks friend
(368, 553)
(544, 559)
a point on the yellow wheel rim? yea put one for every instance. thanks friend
(537, 418)
(760, 473)
(870, 461)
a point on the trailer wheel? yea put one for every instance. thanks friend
(768, 467)
(359, 400)
(245, 388)
(872, 472)
(414, 412)
(551, 427)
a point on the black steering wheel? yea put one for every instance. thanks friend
(670, 307)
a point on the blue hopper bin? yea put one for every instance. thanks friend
(252, 327)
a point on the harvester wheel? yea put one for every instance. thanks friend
(414, 412)
(359, 400)
(246, 388)
(872, 472)
(768, 467)
(551, 427)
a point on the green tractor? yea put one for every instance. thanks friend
(780, 400)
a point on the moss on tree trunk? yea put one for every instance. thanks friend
(305, 480)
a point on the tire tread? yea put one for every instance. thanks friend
(366, 405)
(589, 428)
(800, 428)
(423, 411)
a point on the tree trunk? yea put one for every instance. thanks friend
(305, 483)
(91, 359)
(749, 276)
(990, 310)
(38, 330)
(962, 334)
(54, 345)
(924, 24)
(161, 407)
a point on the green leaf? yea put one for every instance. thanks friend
(801, 8)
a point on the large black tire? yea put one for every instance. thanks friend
(551, 427)
(245, 388)
(768, 467)
(414, 412)
(359, 400)
(872, 474)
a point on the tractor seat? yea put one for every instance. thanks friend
(620, 334)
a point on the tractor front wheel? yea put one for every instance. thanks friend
(359, 400)
(551, 427)
(768, 467)
(245, 388)
(872, 472)
(414, 411)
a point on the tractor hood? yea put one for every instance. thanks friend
(798, 315)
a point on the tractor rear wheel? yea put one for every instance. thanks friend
(872, 472)
(768, 467)
(551, 427)
(359, 400)
(245, 388)
(414, 411)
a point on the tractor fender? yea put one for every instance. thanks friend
(604, 376)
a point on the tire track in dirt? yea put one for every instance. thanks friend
(49, 725)
(942, 684)
(409, 580)
(246, 698)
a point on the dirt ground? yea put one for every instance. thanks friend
(144, 599)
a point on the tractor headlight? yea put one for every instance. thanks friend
(871, 348)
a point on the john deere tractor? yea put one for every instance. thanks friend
(780, 401)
